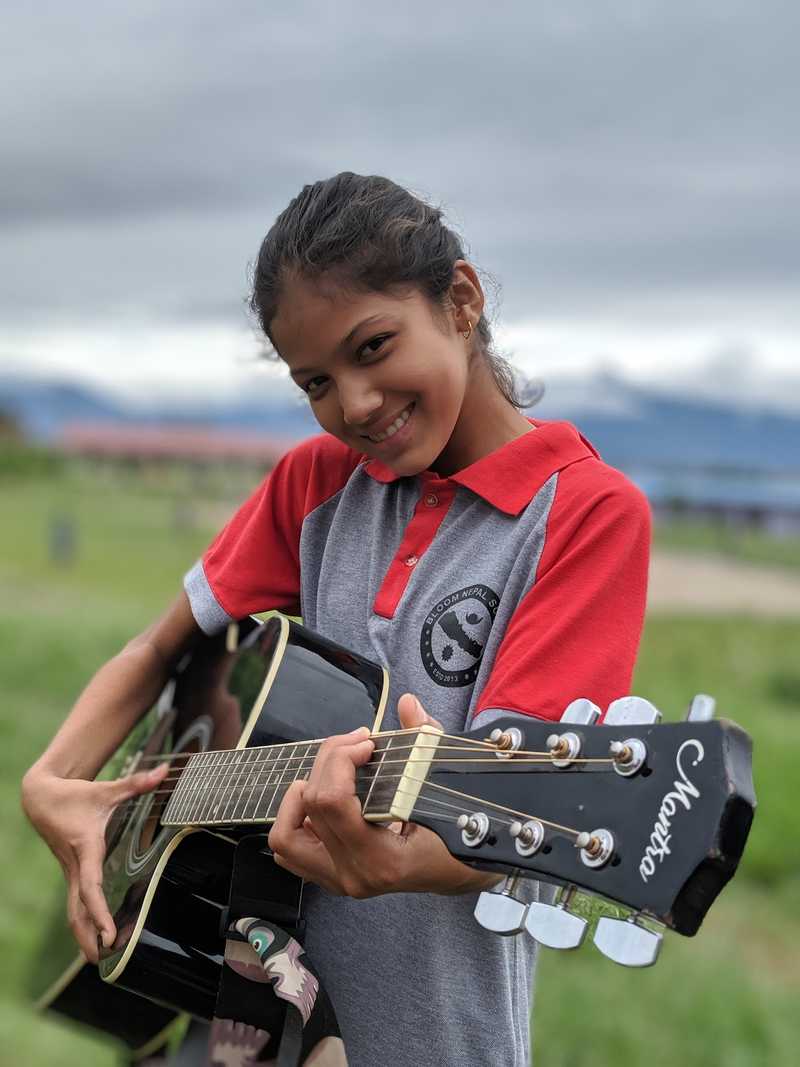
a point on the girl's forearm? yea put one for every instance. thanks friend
(117, 697)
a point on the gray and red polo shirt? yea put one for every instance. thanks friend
(517, 584)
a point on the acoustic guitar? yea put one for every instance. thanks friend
(650, 816)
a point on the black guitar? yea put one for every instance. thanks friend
(651, 816)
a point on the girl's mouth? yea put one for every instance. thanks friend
(396, 432)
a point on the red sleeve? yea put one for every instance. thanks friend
(254, 563)
(576, 631)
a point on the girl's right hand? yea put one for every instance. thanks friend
(71, 814)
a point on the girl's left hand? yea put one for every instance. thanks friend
(321, 835)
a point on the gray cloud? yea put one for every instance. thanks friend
(590, 152)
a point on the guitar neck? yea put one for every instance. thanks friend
(235, 787)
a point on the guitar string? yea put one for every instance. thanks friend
(204, 771)
(234, 771)
(206, 774)
(431, 800)
(423, 797)
(245, 782)
(430, 785)
(408, 731)
(412, 731)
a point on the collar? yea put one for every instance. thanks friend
(512, 475)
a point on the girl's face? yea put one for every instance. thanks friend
(382, 371)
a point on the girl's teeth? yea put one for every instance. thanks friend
(398, 424)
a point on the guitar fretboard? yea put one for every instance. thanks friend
(236, 786)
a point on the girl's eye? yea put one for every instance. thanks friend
(372, 347)
(313, 387)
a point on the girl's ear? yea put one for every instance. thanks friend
(466, 294)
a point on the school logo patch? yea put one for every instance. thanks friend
(455, 633)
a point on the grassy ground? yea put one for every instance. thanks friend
(728, 996)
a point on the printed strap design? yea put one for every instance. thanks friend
(296, 1027)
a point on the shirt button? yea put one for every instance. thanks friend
(431, 500)
(411, 560)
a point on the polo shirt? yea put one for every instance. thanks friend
(515, 585)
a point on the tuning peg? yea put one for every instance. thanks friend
(553, 925)
(581, 711)
(627, 943)
(631, 711)
(701, 708)
(501, 912)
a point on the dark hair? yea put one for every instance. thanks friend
(372, 235)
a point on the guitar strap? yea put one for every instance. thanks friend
(271, 1006)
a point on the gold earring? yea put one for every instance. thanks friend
(468, 332)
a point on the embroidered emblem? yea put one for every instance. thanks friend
(454, 635)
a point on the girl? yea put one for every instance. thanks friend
(492, 562)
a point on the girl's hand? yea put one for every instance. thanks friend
(71, 814)
(321, 835)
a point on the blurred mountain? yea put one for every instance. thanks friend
(631, 425)
(634, 426)
(43, 408)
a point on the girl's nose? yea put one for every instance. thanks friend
(359, 401)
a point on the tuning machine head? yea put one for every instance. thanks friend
(554, 925)
(581, 712)
(631, 711)
(506, 741)
(701, 708)
(626, 942)
(474, 827)
(500, 911)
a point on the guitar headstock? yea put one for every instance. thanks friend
(652, 816)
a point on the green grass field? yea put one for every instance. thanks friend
(728, 996)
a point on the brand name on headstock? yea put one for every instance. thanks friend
(683, 794)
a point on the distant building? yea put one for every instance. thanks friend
(735, 499)
(154, 449)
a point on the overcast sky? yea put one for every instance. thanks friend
(629, 173)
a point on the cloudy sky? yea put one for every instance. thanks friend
(627, 175)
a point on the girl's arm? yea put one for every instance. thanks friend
(67, 808)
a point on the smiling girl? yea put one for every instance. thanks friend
(493, 563)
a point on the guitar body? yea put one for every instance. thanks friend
(168, 888)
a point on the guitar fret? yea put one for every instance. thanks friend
(211, 786)
(285, 770)
(262, 773)
(250, 761)
(268, 780)
(378, 768)
(233, 785)
(170, 812)
(226, 771)
(205, 783)
(227, 776)
(198, 781)
(182, 790)
(310, 754)
(279, 783)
